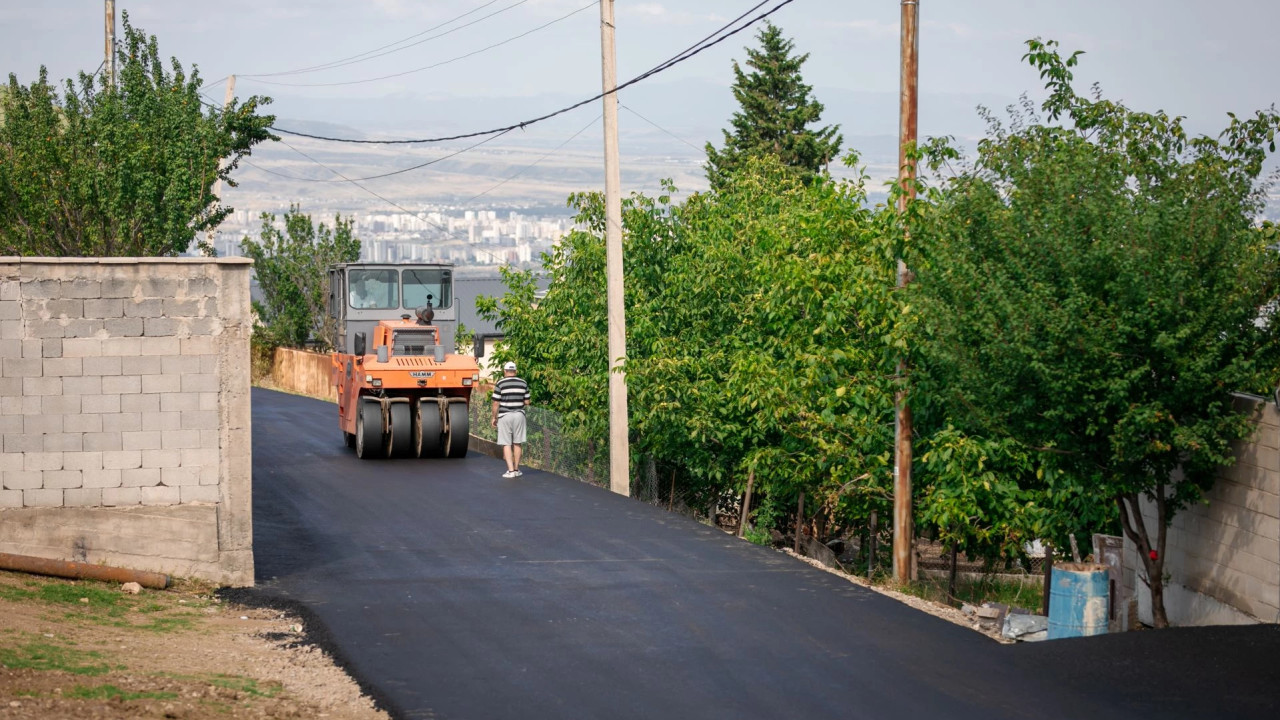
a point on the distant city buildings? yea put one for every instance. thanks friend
(465, 238)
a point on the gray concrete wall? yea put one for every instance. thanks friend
(124, 413)
(1223, 556)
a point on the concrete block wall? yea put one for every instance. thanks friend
(124, 413)
(1223, 557)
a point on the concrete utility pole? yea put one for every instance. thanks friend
(903, 559)
(619, 450)
(109, 44)
(217, 184)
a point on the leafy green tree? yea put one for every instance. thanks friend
(1093, 291)
(126, 170)
(759, 325)
(974, 497)
(291, 265)
(776, 114)
(464, 339)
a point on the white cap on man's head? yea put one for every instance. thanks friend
(509, 367)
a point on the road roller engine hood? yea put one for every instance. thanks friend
(408, 354)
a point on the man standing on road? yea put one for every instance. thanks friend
(510, 398)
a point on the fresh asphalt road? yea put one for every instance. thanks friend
(451, 592)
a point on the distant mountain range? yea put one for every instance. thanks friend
(663, 129)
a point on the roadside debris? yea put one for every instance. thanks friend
(1026, 627)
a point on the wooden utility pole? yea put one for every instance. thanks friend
(619, 450)
(109, 43)
(903, 560)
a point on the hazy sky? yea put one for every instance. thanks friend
(1189, 57)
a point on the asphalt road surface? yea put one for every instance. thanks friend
(450, 592)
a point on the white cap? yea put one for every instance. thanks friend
(510, 366)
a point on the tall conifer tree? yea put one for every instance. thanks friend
(777, 108)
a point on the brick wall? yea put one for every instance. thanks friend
(1223, 556)
(124, 413)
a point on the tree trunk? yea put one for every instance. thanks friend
(951, 577)
(1152, 557)
(871, 547)
(799, 522)
(746, 502)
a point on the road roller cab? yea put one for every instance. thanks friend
(401, 393)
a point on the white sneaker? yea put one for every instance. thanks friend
(517, 473)
(509, 474)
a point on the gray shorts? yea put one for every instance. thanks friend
(511, 429)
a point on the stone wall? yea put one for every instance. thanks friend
(124, 413)
(1223, 557)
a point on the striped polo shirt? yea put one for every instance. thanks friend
(510, 394)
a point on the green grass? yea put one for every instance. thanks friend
(975, 592)
(99, 597)
(111, 692)
(166, 624)
(106, 605)
(248, 686)
(103, 598)
(238, 683)
(43, 655)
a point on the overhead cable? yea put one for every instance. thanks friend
(433, 65)
(401, 170)
(535, 163)
(656, 125)
(702, 45)
(371, 192)
(377, 52)
(215, 106)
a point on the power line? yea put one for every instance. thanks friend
(677, 137)
(392, 203)
(513, 176)
(345, 61)
(433, 65)
(535, 163)
(341, 60)
(702, 45)
(456, 153)
(402, 170)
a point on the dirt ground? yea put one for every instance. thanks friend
(945, 612)
(85, 649)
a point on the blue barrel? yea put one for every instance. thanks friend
(1078, 600)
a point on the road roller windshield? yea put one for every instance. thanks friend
(427, 283)
(374, 289)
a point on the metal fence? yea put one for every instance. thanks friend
(553, 447)
(548, 446)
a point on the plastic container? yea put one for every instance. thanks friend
(1078, 600)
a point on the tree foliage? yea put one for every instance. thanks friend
(1092, 291)
(759, 322)
(124, 170)
(776, 111)
(291, 263)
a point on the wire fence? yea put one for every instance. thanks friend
(556, 448)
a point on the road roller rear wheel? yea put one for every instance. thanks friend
(459, 435)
